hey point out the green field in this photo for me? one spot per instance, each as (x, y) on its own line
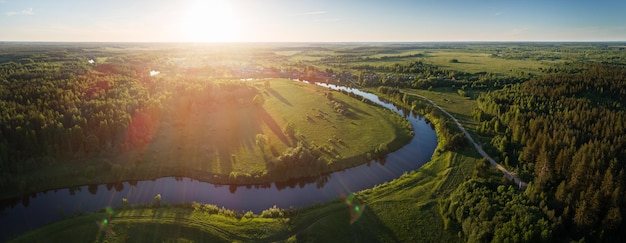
(404, 210)
(470, 60)
(219, 143)
(474, 62)
(224, 141)
(447, 98)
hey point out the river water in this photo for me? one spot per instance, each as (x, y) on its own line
(32, 211)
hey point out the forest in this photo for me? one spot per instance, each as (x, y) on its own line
(55, 112)
(552, 113)
(65, 108)
(566, 133)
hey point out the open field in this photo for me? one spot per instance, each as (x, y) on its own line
(224, 141)
(474, 62)
(467, 61)
(500, 59)
(221, 144)
(448, 98)
(404, 210)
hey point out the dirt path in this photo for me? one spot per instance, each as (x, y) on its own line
(509, 175)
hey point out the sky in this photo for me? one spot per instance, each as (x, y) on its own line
(311, 21)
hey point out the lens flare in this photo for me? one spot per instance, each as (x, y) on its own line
(103, 224)
(356, 208)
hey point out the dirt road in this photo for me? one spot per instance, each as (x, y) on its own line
(509, 175)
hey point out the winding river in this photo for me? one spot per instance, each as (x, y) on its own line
(35, 210)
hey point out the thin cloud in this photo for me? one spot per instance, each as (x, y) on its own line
(309, 13)
(28, 11)
(329, 20)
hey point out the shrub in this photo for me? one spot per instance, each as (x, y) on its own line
(157, 200)
(462, 93)
(248, 215)
(210, 208)
(272, 212)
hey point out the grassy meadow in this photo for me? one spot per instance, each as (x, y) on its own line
(235, 144)
(224, 141)
(403, 210)
(474, 62)
(469, 60)
(447, 98)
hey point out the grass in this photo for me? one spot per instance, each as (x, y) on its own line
(164, 224)
(460, 107)
(403, 210)
(213, 143)
(473, 62)
(447, 98)
(468, 61)
(224, 141)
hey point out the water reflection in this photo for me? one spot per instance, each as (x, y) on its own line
(93, 189)
(34, 210)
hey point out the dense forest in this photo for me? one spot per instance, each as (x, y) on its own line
(68, 109)
(566, 133)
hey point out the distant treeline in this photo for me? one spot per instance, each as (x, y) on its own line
(421, 75)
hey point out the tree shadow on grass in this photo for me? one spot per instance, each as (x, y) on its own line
(279, 96)
(336, 225)
(269, 121)
(356, 110)
(370, 228)
(234, 128)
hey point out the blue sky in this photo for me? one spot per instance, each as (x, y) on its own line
(312, 21)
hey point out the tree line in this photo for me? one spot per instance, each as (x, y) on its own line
(421, 75)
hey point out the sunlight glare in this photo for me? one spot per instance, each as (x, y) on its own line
(211, 21)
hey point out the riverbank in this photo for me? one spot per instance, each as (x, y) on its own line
(239, 146)
(405, 209)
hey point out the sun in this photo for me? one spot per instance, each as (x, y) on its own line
(210, 21)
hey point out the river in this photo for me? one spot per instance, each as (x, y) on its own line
(32, 211)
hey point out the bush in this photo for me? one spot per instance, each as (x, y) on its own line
(210, 208)
(272, 212)
(248, 215)
(157, 200)
(462, 93)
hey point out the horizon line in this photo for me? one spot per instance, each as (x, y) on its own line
(325, 42)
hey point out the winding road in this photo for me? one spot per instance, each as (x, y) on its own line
(509, 175)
